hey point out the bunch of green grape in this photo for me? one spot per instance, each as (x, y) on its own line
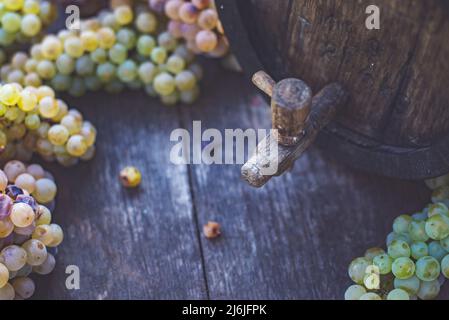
(21, 21)
(117, 49)
(197, 22)
(27, 234)
(416, 262)
(33, 120)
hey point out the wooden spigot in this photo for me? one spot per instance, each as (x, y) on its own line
(297, 118)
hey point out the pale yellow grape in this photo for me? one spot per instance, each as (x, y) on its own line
(106, 38)
(30, 65)
(71, 123)
(185, 80)
(146, 22)
(164, 84)
(48, 108)
(30, 25)
(26, 181)
(89, 40)
(43, 233)
(47, 266)
(22, 215)
(46, 69)
(370, 296)
(13, 5)
(16, 76)
(13, 257)
(7, 292)
(44, 147)
(32, 79)
(73, 46)
(19, 60)
(42, 131)
(89, 133)
(45, 190)
(24, 287)
(28, 100)
(9, 94)
(62, 111)
(6, 227)
(31, 7)
(12, 114)
(36, 252)
(56, 234)
(4, 275)
(58, 134)
(45, 91)
(36, 171)
(77, 115)
(43, 216)
(36, 52)
(123, 15)
(51, 48)
(76, 145)
(13, 169)
(147, 71)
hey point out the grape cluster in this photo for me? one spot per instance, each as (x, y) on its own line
(33, 120)
(117, 49)
(27, 234)
(416, 261)
(197, 22)
(23, 20)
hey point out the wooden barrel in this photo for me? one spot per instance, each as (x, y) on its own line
(396, 122)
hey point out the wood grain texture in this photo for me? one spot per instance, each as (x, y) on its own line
(291, 239)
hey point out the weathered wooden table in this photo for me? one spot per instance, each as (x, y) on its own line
(292, 239)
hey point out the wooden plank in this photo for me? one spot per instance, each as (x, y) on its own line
(295, 237)
(137, 244)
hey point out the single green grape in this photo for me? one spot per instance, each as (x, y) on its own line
(419, 249)
(445, 266)
(147, 72)
(61, 82)
(411, 285)
(46, 69)
(32, 121)
(164, 84)
(65, 64)
(118, 53)
(167, 41)
(429, 290)
(99, 55)
(106, 72)
(438, 208)
(445, 243)
(403, 268)
(11, 22)
(58, 135)
(354, 292)
(159, 55)
(383, 262)
(427, 268)
(401, 224)
(357, 269)
(146, 22)
(398, 294)
(127, 37)
(123, 15)
(370, 296)
(417, 231)
(84, 66)
(175, 64)
(73, 46)
(185, 80)
(30, 25)
(127, 71)
(399, 248)
(436, 250)
(437, 227)
(145, 45)
(371, 253)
